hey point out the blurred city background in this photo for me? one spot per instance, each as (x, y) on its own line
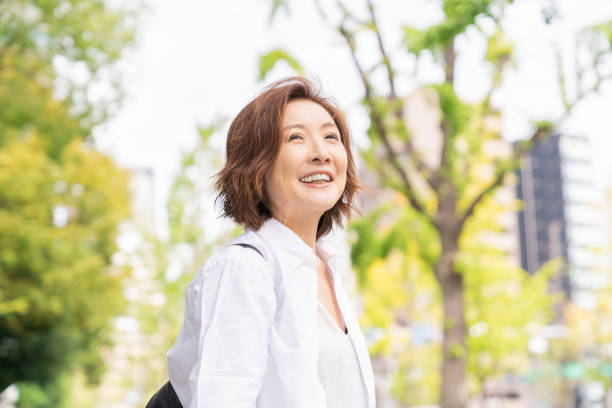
(481, 266)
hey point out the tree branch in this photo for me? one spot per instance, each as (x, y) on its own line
(562, 84)
(502, 170)
(543, 132)
(348, 15)
(449, 58)
(428, 174)
(445, 142)
(383, 52)
(449, 62)
(378, 123)
(580, 71)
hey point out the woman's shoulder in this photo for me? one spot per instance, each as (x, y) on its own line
(245, 252)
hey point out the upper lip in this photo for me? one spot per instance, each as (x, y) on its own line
(312, 173)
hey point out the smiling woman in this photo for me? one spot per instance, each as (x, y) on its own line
(267, 321)
(309, 173)
(261, 131)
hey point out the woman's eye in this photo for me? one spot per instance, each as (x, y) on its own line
(294, 137)
(332, 136)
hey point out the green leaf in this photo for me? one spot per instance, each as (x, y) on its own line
(415, 40)
(206, 132)
(276, 6)
(456, 350)
(460, 14)
(606, 30)
(269, 60)
(499, 48)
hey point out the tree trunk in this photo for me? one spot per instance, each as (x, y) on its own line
(454, 390)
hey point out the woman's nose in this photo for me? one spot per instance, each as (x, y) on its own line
(318, 152)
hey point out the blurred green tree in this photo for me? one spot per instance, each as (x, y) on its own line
(60, 200)
(164, 264)
(57, 66)
(394, 253)
(175, 259)
(446, 191)
(57, 234)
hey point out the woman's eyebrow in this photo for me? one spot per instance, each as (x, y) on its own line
(297, 125)
(329, 124)
(300, 126)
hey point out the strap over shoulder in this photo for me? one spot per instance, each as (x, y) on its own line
(268, 257)
(253, 247)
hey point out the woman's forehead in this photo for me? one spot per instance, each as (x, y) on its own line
(304, 112)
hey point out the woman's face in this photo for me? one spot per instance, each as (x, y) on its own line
(309, 174)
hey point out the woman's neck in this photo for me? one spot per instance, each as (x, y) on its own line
(304, 227)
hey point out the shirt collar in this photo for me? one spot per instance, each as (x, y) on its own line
(326, 250)
(281, 236)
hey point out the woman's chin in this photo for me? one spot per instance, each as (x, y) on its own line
(321, 208)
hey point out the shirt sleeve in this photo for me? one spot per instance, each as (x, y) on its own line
(237, 309)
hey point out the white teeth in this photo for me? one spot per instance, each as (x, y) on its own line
(315, 177)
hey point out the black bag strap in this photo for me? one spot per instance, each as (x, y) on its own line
(242, 244)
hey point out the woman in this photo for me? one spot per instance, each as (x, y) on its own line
(267, 322)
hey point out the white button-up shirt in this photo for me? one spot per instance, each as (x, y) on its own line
(249, 338)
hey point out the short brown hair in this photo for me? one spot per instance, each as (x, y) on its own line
(253, 142)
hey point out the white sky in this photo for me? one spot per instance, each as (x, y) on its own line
(197, 60)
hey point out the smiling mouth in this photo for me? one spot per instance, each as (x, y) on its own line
(316, 179)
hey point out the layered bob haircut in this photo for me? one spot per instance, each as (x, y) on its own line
(253, 143)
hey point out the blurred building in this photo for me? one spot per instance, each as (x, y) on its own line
(563, 216)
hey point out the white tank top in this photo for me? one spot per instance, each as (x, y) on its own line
(338, 367)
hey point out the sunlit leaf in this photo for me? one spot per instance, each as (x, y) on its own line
(269, 60)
